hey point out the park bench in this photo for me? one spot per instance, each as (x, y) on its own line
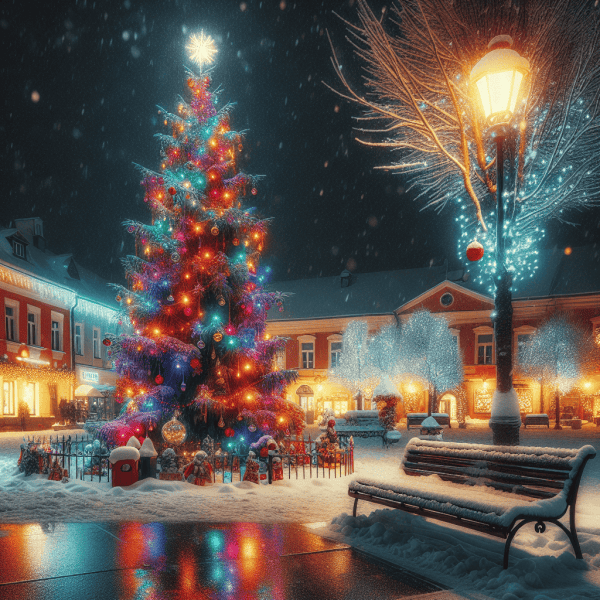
(540, 484)
(541, 419)
(365, 424)
(415, 419)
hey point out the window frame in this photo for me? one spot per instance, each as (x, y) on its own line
(279, 359)
(37, 314)
(518, 331)
(59, 318)
(36, 398)
(484, 330)
(12, 389)
(79, 337)
(335, 338)
(306, 339)
(15, 305)
(96, 348)
(19, 249)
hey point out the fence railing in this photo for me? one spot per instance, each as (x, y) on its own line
(84, 456)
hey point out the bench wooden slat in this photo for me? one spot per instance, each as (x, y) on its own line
(504, 460)
(524, 470)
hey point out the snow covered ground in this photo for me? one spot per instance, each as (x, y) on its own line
(543, 566)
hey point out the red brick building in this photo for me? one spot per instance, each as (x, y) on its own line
(318, 310)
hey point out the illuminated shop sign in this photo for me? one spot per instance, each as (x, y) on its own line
(90, 376)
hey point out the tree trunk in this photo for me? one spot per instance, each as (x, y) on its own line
(432, 400)
(359, 401)
(542, 397)
(557, 403)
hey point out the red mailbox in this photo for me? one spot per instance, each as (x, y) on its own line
(125, 462)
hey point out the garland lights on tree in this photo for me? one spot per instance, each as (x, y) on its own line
(199, 351)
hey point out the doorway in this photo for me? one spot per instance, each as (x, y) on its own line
(447, 404)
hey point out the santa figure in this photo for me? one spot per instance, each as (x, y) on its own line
(277, 469)
(252, 468)
(199, 470)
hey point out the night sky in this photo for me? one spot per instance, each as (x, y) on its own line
(81, 81)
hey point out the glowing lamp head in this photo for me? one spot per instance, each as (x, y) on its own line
(498, 77)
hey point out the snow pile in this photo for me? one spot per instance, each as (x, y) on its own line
(134, 442)
(505, 405)
(147, 450)
(386, 388)
(124, 453)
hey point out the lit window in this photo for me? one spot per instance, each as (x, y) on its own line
(8, 399)
(280, 359)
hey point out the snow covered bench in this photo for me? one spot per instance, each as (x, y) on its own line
(509, 486)
(541, 419)
(365, 424)
(415, 419)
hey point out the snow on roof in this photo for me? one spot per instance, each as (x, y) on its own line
(147, 449)
(124, 453)
(134, 442)
(384, 292)
(430, 423)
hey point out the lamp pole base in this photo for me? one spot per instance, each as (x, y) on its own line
(505, 434)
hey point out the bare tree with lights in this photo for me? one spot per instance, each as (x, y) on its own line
(559, 353)
(429, 353)
(422, 68)
(353, 370)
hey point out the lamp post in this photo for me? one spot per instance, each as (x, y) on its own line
(497, 77)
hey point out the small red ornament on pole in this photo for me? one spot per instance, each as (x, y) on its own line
(474, 251)
(106, 342)
(229, 432)
(159, 379)
(172, 191)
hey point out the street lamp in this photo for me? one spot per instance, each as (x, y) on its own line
(498, 79)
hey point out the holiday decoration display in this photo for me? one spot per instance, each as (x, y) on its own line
(252, 468)
(196, 300)
(174, 432)
(169, 467)
(475, 251)
(386, 396)
(199, 471)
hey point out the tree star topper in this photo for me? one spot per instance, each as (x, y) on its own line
(201, 49)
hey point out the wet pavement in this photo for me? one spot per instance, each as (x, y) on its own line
(151, 561)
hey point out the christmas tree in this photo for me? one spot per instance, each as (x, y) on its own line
(199, 352)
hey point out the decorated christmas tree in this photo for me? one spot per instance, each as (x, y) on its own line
(198, 361)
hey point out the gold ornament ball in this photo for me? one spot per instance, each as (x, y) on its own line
(218, 336)
(174, 431)
(215, 230)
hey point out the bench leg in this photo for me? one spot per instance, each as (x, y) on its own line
(354, 509)
(540, 527)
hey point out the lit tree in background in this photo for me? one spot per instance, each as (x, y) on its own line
(353, 370)
(429, 353)
(420, 95)
(199, 352)
(559, 353)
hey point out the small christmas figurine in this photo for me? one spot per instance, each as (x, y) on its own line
(277, 469)
(252, 467)
(199, 471)
(169, 467)
(330, 434)
(56, 471)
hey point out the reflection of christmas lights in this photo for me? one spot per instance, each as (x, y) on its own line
(33, 361)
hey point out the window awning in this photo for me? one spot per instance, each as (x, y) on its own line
(93, 391)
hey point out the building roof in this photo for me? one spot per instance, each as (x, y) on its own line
(386, 291)
(61, 269)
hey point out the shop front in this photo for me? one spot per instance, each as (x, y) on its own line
(94, 394)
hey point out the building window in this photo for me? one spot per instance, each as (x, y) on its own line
(11, 314)
(78, 339)
(447, 299)
(96, 341)
(9, 397)
(19, 249)
(335, 351)
(55, 335)
(522, 337)
(308, 355)
(33, 325)
(30, 396)
(484, 345)
(280, 359)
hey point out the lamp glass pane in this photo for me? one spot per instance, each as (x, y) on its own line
(515, 90)
(482, 87)
(499, 85)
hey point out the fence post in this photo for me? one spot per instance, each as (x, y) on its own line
(270, 468)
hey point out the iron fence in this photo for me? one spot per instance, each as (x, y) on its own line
(83, 457)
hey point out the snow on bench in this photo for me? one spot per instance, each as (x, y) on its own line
(365, 424)
(415, 419)
(509, 486)
(541, 419)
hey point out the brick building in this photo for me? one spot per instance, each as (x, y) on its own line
(55, 316)
(318, 311)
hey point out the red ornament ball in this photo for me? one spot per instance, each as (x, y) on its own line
(272, 446)
(106, 342)
(236, 242)
(187, 311)
(474, 251)
(172, 191)
(194, 363)
(331, 423)
(264, 452)
(159, 379)
(229, 432)
(254, 191)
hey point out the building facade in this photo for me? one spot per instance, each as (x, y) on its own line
(318, 311)
(56, 314)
